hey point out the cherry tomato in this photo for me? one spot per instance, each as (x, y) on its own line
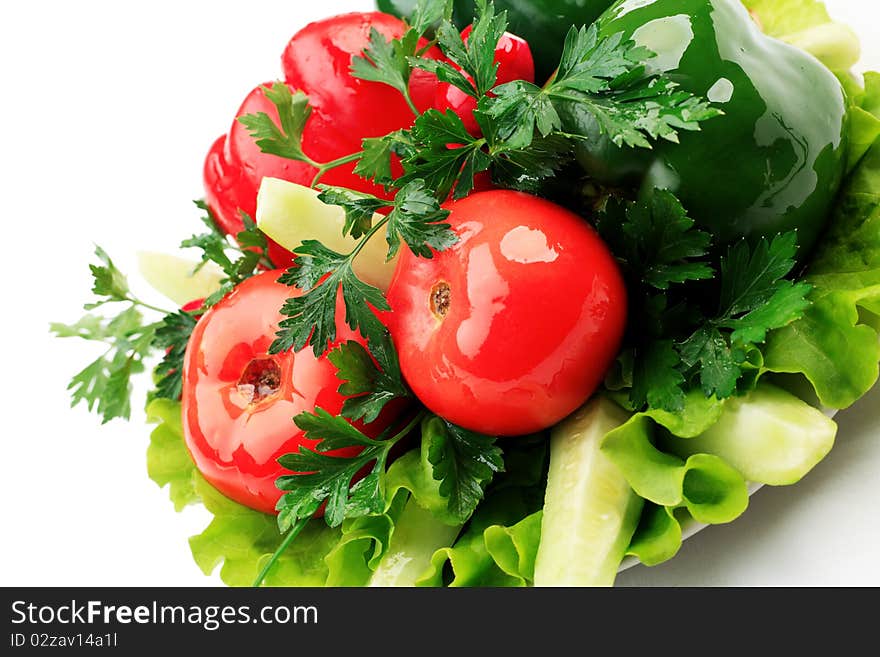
(513, 327)
(345, 110)
(239, 401)
(514, 59)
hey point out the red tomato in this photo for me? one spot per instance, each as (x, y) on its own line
(239, 401)
(514, 59)
(344, 111)
(513, 327)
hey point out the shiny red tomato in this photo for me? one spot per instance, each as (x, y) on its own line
(514, 59)
(513, 327)
(239, 401)
(345, 110)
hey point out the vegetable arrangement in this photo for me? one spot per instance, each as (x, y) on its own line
(501, 294)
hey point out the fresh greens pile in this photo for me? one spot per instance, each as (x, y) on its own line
(461, 508)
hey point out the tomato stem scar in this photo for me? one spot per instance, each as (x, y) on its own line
(260, 379)
(441, 297)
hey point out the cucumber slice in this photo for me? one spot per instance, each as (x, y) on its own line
(417, 535)
(290, 213)
(590, 511)
(176, 278)
(769, 435)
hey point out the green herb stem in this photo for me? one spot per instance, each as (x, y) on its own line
(338, 162)
(412, 105)
(292, 534)
(149, 306)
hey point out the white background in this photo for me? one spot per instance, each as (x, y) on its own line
(107, 111)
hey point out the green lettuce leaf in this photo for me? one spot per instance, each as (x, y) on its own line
(807, 25)
(836, 346)
(238, 539)
(864, 115)
(499, 544)
(658, 536)
(168, 461)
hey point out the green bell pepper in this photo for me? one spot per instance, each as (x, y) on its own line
(772, 163)
(543, 23)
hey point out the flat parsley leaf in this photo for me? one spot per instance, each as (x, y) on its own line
(417, 221)
(239, 260)
(108, 281)
(755, 298)
(368, 384)
(104, 384)
(463, 462)
(293, 112)
(359, 208)
(658, 243)
(311, 317)
(386, 61)
(172, 334)
(444, 155)
(375, 161)
(602, 78)
(318, 476)
(477, 56)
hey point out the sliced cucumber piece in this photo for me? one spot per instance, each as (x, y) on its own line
(590, 511)
(417, 535)
(769, 435)
(176, 278)
(290, 213)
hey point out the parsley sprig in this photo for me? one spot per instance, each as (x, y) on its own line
(691, 328)
(104, 385)
(606, 79)
(285, 140)
(132, 338)
(239, 259)
(321, 273)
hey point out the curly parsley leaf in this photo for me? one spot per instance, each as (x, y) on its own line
(463, 462)
(284, 140)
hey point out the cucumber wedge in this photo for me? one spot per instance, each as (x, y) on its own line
(418, 534)
(176, 278)
(590, 511)
(769, 435)
(290, 213)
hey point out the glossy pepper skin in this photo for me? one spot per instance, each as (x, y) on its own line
(773, 162)
(542, 23)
